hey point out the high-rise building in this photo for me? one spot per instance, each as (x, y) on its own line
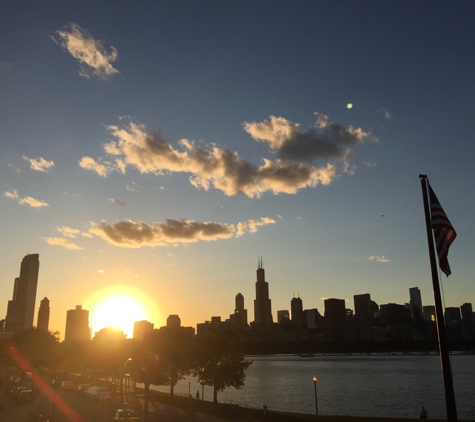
(141, 328)
(77, 325)
(363, 309)
(415, 304)
(468, 320)
(21, 309)
(239, 318)
(335, 312)
(394, 314)
(296, 310)
(262, 304)
(43, 315)
(173, 321)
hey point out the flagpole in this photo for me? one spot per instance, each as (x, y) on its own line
(439, 314)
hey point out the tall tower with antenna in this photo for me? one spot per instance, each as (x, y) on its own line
(262, 304)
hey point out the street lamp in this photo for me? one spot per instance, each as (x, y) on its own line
(316, 402)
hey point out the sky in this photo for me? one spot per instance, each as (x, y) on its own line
(155, 150)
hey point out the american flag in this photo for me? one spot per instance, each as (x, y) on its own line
(444, 233)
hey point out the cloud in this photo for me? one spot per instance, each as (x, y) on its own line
(212, 166)
(58, 241)
(6, 65)
(288, 141)
(381, 258)
(385, 113)
(13, 194)
(368, 164)
(252, 225)
(32, 202)
(39, 164)
(68, 231)
(89, 163)
(117, 201)
(91, 54)
(134, 235)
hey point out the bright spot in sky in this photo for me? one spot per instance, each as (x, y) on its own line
(116, 311)
(349, 105)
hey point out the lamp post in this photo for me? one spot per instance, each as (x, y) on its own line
(202, 386)
(316, 402)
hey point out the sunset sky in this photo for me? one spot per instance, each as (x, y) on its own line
(155, 149)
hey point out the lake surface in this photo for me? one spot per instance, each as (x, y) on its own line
(371, 385)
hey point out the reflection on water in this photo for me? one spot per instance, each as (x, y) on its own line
(393, 386)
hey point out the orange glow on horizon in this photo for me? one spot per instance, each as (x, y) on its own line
(119, 307)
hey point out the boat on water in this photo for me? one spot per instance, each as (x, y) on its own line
(307, 355)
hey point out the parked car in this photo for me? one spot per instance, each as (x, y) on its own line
(67, 385)
(98, 393)
(82, 387)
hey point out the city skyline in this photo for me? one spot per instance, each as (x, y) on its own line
(78, 325)
(150, 163)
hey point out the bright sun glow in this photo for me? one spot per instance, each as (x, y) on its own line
(116, 310)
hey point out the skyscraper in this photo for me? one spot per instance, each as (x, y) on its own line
(415, 304)
(363, 309)
(21, 308)
(262, 304)
(296, 310)
(239, 317)
(77, 325)
(43, 315)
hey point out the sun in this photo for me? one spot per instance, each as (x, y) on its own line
(118, 310)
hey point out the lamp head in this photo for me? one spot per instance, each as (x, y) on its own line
(314, 378)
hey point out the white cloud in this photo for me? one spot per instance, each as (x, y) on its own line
(13, 194)
(89, 163)
(91, 54)
(32, 202)
(39, 164)
(68, 231)
(58, 241)
(252, 225)
(381, 258)
(134, 235)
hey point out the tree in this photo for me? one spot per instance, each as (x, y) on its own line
(172, 346)
(220, 359)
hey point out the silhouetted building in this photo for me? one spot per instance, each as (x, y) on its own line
(262, 304)
(416, 305)
(335, 312)
(141, 328)
(77, 325)
(2, 325)
(173, 321)
(239, 318)
(109, 334)
(468, 320)
(394, 314)
(43, 315)
(283, 317)
(428, 312)
(296, 310)
(21, 309)
(363, 309)
(312, 319)
(215, 322)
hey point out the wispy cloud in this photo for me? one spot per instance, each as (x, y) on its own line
(91, 54)
(39, 164)
(381, 258)
(385, 113)
(117, 201)
(252, 225)
(59, 241)
(212, 166)
(32, 202)
(134, 235)
(68, 231)
(6, 65)
(89, 163)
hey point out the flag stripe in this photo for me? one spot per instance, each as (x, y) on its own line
(444, 233)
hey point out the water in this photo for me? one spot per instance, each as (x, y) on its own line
(374, 385)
